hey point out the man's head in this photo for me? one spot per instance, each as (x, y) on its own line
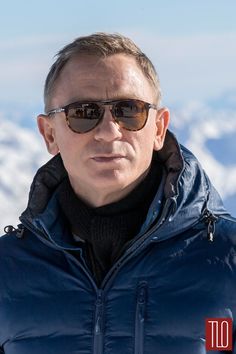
(106, 162)
(100, 45)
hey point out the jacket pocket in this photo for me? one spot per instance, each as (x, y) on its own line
(140, 317)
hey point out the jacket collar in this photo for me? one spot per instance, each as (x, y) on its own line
(186, 188)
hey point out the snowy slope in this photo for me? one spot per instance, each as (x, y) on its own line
(207, 129)
(211, 134)
(21, 152)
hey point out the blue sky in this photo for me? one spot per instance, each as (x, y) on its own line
(20, 18)
(192, 43)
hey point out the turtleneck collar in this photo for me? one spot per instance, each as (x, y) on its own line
(106, 229)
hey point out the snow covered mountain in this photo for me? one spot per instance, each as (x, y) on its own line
(210, 133)
(21, 153)
(209, 130)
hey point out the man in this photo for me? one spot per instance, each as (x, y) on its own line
(125, 246)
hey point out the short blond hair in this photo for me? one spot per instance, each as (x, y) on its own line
(101, 45)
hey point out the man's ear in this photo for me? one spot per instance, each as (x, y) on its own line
(162, 123)
(47, 130)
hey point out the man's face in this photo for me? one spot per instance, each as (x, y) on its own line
(106, 163)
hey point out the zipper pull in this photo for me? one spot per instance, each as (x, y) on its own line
(98, 324)
(19, 231)
(141, 300)
(142, 293)
(210, 220)
(140, 317)
(9, 229)
(98, 314)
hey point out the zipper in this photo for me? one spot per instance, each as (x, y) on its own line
(210, 219)
(99, 302)
(134, 248)
(140, 318)
(98, 324)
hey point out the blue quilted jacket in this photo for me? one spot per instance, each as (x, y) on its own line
(178, 271)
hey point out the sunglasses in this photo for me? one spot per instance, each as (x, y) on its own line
(81, 117)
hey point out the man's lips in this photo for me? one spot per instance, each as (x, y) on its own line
(107, 158)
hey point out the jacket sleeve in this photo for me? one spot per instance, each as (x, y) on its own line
(1, 350)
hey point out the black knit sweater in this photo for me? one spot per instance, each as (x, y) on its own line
(105, 230)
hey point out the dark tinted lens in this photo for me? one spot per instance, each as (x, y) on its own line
(83, 117)
(131, 115)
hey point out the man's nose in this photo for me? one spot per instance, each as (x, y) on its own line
(108, 129)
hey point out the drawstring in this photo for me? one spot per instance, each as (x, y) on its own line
(19, 231)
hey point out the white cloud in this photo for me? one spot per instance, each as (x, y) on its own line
(207, 124)
(190, 67)
(24, 64)
(21, 153)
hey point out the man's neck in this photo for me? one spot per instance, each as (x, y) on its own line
(97, 198)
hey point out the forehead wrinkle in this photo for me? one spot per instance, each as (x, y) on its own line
(100, 79)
